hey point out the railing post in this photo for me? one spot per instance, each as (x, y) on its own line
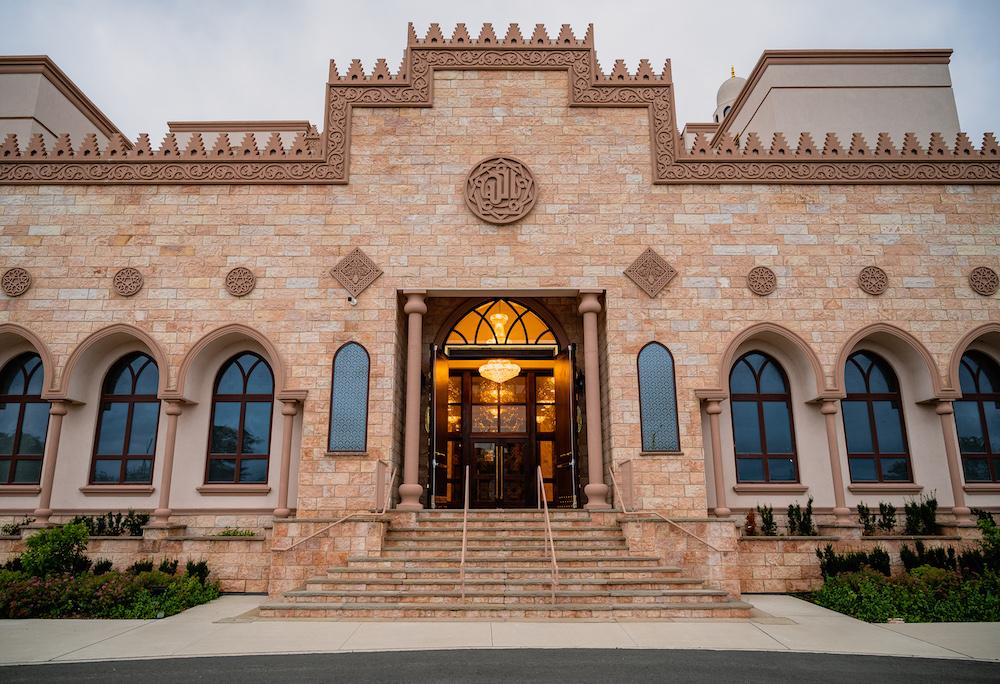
(465, 530)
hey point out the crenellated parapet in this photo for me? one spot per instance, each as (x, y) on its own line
(212, 157)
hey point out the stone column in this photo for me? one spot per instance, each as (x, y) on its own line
(289, 409)
(596, 490)
(162, 513)
(56, 412)
(713, 407)
(410, 489)
(947, 413)
(840, 510)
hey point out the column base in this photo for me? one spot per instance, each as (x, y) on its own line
(282, 512)
(409, 497)
(42, 516)
(597, 497)
(843, 515)
(962, 513)
(722, 512)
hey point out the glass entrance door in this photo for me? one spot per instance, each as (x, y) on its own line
(500, 474)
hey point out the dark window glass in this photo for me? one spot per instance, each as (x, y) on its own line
(125, 439)
(873, 421)
(24, 420)
(977, 417)
(762, 420)
(658, 399)
(240, 438)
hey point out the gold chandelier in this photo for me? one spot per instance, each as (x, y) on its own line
(499, 370)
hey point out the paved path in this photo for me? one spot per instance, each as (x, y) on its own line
(224, 627)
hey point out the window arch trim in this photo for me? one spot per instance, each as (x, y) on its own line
(670, 400)
(333, 398)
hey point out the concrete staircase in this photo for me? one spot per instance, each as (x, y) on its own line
(507, 575)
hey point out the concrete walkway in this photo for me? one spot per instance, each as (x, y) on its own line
(227, 627)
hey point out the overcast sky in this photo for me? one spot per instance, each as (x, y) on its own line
(145, 63)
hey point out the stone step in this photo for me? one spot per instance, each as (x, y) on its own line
(474, 581)
(504, 514)
(494, 611)
(566, 561)
(490, 523)
(501, 572)
(508, 552)
(617, 597)
(532, 532)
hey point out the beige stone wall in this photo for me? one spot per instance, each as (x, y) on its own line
(596, 211)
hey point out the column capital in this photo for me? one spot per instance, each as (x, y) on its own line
(713, 407)
(590, 301)
(174, 407)
(944, 408)
(289, 407)
(828, 406)
(415, 302)
(57, 407)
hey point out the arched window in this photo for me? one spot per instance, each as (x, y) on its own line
(658, 399)
(24, 420)
(240, 440)
(125, 440)
(762, 420)
(349, 399)
(977, 417)
(873, 421)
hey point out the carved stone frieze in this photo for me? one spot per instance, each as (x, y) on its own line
(500, 190)
(315, 159)
(873, 280)
(355, 272)
(240, 281)
(650, 272)
(127, 281)
(762, 281)
(984, 280)
(15, 281)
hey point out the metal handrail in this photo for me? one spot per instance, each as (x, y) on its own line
(465, 533)
(388, 491)
(548, 532)
(621, 500)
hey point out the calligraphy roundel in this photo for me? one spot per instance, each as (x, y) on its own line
(500, 190)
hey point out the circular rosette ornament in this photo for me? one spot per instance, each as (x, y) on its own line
(500, 190)
(128, 281)
(762, 281)
(240, 281)
(15, 282)
(984, 280)
(873, 280)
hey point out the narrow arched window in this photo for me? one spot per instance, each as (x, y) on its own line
(125, 440)
(240, 439)
(977, 417)
(349, 399)
(873, 421)
(24, 420)
(658, 399)
(762, 420)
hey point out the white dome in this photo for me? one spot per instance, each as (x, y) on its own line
(729, 90)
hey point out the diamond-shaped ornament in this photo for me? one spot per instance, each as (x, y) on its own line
(355, 272)
(651, 272)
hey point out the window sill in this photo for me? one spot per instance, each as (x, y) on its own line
(346, 454)
(234, 489)
(117, 489)
(20, 490)
(661, 453)
(888, 487)
(765, 488)
(983, 488)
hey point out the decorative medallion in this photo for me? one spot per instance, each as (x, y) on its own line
(128, 281)
(762, 281)
(240, 281)
(650, 272)
(16, 282)
(500, 190)
(873, 280)
(356, 272)
(983, 280)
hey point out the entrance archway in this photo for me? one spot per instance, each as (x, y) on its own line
(503, 403)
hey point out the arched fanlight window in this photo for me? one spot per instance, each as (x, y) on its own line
(762, 420)
(977, 417)
(501, 321)
(125, 439)
(349, 399)
(24, 420)
(240, 439)
(873, 421)
(658, 399)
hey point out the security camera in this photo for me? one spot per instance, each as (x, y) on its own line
(352, 300)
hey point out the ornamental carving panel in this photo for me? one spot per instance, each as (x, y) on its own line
(128, 281)
(873, 280)
(762, 281)
(984, 280)
(355, 272)
(500, 190)
(240, 281)
(650, 272)
(16, 282)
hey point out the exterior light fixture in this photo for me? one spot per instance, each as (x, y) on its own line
(499, 370)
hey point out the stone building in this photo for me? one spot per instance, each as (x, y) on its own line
(500, 270)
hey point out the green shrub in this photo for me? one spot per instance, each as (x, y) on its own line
(13, 564)
(921, 516)
(169, 567)
(114, 524)
(886, 517)
(866, 519)
(768, 527)
(102, 566)
(936, 557)
(56, 550)
(832, 563)
(140, 566)
(750, 524)
(236, 532)
(13, 529)
(198, 570)
(800, 520)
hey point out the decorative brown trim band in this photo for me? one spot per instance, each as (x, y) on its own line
(885, 488)
(230, 126)
(20, 490)
(770, 488)
(326, 160)
(117, 490)
(984, 488)
(234, 489)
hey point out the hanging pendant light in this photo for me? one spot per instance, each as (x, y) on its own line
(499, 370)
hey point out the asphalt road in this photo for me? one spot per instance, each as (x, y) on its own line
(519, 665)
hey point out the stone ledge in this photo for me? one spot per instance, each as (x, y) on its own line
(20, 490)
(117, 489)
(885, 487)
(234, 489)
(346, 454)
(912, 537)
(984, 488)
(791, 488)
(217, 538)
(780, 538)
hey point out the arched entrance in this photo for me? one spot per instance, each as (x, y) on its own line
(503, 403)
